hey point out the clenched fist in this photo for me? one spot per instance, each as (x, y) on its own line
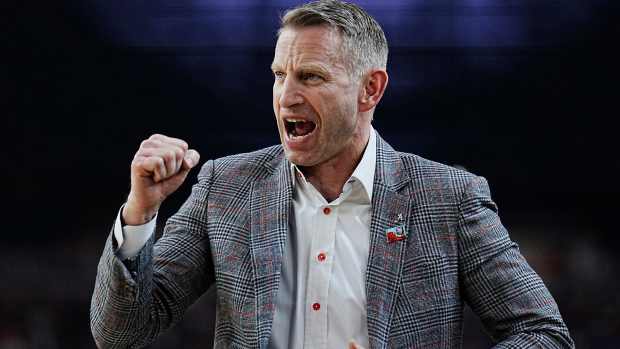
(158, 169)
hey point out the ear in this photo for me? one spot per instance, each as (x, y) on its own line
(373, 87)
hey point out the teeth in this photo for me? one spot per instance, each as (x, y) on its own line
(291, 127)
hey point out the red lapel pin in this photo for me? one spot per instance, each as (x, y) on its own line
(395, 234)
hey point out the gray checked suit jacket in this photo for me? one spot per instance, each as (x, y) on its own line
(232, 230)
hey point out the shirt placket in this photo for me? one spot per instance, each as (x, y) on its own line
(319, 274)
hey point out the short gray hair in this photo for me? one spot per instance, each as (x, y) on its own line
(362, 37)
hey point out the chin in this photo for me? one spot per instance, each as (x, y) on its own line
(299, 159)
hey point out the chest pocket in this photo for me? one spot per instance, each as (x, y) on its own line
(429, 281)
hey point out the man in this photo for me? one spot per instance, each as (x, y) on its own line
(331, 239)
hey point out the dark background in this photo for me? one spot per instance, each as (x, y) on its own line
(522, 92)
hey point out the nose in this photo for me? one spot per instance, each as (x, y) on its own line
(290, 94)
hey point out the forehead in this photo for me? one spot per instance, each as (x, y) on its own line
(297, 45)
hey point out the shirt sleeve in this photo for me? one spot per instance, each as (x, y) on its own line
(131, 238)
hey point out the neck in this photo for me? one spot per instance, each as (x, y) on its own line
(330, 176)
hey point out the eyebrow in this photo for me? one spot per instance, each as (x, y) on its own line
(314, 68)
(310, 67)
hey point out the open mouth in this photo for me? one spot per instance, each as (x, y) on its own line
(297, 128)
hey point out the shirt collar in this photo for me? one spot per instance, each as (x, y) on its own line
(365, 170)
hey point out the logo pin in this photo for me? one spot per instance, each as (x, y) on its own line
(396, 233)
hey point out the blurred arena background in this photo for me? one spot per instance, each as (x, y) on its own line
(524, 93)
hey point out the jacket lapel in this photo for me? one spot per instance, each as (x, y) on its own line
(270, 206)
(391, 208)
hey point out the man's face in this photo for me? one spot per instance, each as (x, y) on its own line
(315, 101)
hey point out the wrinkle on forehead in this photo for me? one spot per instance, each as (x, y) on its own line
(309, 45)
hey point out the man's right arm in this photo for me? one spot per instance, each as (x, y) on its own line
(137, 298)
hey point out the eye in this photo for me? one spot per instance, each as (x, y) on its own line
(311, 77)
(278, 75)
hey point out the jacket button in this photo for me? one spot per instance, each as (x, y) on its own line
(316, 306)
(327, 210)
(321, 257)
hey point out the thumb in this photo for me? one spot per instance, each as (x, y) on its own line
(191, 159)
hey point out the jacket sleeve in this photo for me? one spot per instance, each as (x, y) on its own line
(135, 300)
(514, 305)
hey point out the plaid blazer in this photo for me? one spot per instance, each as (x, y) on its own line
(232, 230)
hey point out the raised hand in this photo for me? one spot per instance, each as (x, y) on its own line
(158, 169)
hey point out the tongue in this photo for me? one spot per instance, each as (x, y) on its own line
(303, 128)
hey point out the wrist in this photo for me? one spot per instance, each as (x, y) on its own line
(136, 215)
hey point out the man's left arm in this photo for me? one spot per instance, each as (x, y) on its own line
(513, 303)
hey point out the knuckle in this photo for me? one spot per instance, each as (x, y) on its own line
(168, 155)
(179, 153)
(149, 143)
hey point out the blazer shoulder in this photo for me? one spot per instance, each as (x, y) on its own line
(257, 164)
(430, 172)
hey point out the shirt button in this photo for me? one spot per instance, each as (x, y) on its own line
(316, 306)
(321, 257)
(327, 210)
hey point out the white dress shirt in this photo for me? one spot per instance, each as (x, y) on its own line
(321, 301)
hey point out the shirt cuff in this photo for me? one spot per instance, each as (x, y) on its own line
(131, 238)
